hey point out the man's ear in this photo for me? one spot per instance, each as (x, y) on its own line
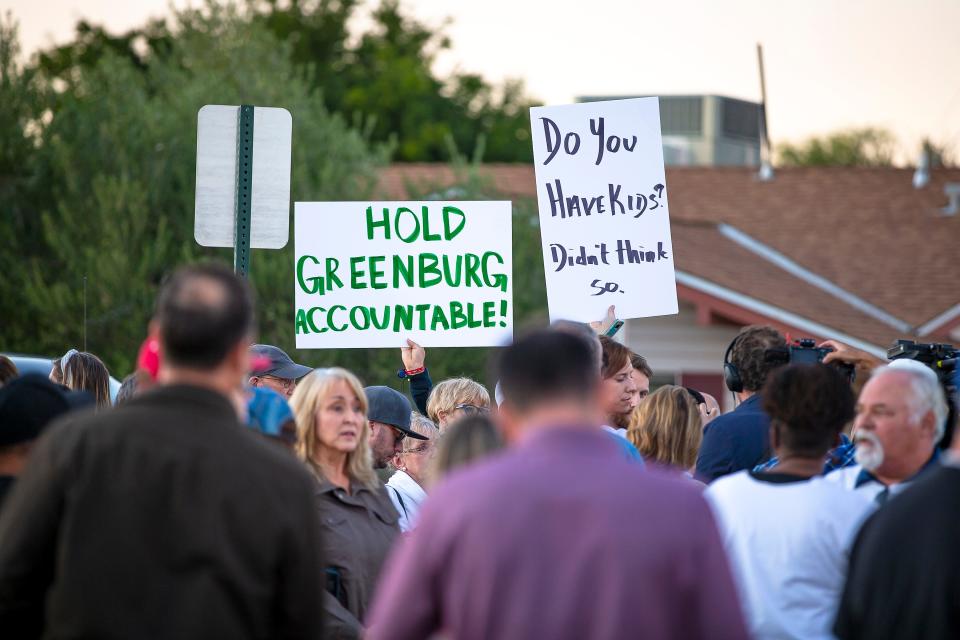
(596, 402)
(929, 423)
(509, 420)
(239, 357)
(254, 381)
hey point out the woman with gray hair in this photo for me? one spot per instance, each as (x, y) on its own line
(406, 486)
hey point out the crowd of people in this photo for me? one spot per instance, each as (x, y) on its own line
(228, 491)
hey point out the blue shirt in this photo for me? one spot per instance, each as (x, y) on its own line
(843, 455)
(735, 441)
(865, 476)
(627, 450)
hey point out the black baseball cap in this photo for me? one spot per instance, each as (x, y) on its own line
(279, 363)
(391, 407)
(30, 402)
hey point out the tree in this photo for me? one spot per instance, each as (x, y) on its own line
(23, 98)
(866, 147)
(105, 187)
(383, 82)
(939, 155)
(97, 167)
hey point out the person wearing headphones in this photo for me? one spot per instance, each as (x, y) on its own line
(741, 439)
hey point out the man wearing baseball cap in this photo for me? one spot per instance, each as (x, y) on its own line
(273, 368)
(389, 416)
(27, 405)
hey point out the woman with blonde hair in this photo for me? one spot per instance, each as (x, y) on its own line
(358, 521)
(666, 428)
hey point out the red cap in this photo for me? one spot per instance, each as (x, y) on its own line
(148, 357)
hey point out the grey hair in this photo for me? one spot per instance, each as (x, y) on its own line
(926, 391)
(422, 425)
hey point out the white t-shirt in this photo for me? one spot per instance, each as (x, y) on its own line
(407, 497)
(788, 544)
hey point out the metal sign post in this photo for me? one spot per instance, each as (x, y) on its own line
(243, 197)
(241, 243)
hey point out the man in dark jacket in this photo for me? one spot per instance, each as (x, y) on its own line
(741, 439)
(165, 518)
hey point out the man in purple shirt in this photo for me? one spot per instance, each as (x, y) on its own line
(560, 537)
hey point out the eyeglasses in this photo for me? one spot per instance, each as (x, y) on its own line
(472, 410)
(400, 435)
(421, 449)
(284, 383)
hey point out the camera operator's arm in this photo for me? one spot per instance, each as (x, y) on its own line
(863, 361)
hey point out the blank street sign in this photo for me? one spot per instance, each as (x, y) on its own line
(214, 224)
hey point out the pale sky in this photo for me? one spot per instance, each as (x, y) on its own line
(829, 64)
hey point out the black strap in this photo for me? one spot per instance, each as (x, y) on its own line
(400, 500)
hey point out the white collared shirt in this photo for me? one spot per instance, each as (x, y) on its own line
(407, 497)
(847, 477)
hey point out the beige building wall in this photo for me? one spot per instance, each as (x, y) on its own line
(677, 345)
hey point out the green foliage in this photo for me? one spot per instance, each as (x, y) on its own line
(97, 176)
(383, 79)
(939, 155)
(105, 189)
(867, 147)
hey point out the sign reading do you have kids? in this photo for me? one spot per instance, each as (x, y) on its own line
(371, 274)
(604, 221)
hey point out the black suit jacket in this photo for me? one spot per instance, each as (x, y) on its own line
(164, 518)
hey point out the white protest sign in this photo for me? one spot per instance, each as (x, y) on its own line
(214, 222)
(371, 274)
(604, 220)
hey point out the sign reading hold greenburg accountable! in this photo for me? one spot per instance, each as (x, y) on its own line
(372, 274)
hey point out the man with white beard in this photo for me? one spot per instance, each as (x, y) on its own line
(901, 414)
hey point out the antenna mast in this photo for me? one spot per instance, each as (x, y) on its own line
(766, 156)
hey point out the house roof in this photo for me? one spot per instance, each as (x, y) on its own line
(858, 250)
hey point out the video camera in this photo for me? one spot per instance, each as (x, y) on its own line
(943, 359)
(806, 351)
